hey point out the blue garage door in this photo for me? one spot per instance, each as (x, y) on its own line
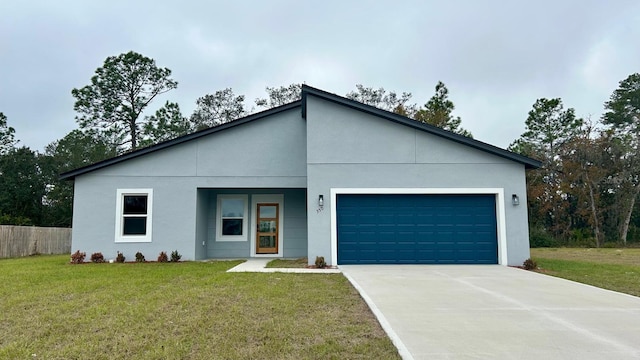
(416, 229)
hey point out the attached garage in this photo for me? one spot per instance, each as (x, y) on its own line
(416, 229)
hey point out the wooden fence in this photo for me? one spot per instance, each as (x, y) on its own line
(16, 241)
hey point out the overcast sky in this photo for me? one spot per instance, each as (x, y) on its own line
(496, 57)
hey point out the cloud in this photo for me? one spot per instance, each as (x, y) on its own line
(496, 58)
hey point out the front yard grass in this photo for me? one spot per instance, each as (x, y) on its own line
(613, 269)
(192, 310)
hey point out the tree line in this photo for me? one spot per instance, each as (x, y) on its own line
(587, 189)
(585, 192)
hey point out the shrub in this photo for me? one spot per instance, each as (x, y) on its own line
(97, 257)
(6, 219)
(78, 257)
(612, 245)
(175, 256)
(120, 258)
(139, 257)
(163, 257)
(581, 238)
(530, 264)
(320, 263)
(539, 237)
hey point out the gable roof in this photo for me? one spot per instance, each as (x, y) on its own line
(529, 163)
(179, 140)
(311, 91)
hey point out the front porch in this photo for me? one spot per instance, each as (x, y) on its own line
(251, 223)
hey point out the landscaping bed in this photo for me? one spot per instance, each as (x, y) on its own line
(301, 263)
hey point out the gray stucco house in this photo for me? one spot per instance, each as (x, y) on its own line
(323, 176)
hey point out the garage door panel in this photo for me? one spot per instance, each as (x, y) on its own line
(425, 229)
(386, 219)
(405, 236)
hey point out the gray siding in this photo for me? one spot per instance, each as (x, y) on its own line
(350, 149)
(174, 216)
(202, 221)
(295, 213)
(295, 224)
(263, 153)
(266, 153)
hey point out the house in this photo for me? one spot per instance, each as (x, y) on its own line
(323, 176)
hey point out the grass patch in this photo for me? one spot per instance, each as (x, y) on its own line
(602, 256)
(191, 310)
(288, 263)
(613, 269)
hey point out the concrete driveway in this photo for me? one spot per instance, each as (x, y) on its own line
(497, 312)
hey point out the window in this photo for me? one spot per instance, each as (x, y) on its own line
(231, 218)
(133, 215)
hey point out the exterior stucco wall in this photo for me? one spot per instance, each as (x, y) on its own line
(202, 221)
(268, 148)
(350, 149)
(94, 216)
(266, 153)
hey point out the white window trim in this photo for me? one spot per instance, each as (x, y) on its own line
(245, 219)
(119, 237)
(500, 211)
(267, 198)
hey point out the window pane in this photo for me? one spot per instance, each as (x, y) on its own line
(134, 226)
(135, 204)
(268, 241)
(232, 208)
(267, 211)
(231, 226)
(267, 226)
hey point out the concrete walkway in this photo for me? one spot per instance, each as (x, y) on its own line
(258, 265)
(497, 312)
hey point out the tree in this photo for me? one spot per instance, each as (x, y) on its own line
(280, 96)
(619, 185)
(21, 187)
(622, 115)
(382, 99)
(75, 150)
(438, 112)
(167, 123)
(623, 108)
(7, 140)
(119, 92)
(587, 167)
(549, 128)
(218, 108)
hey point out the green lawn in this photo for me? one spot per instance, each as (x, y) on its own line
(193, 310)
(613, 269)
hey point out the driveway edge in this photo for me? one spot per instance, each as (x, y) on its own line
(395, 339)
